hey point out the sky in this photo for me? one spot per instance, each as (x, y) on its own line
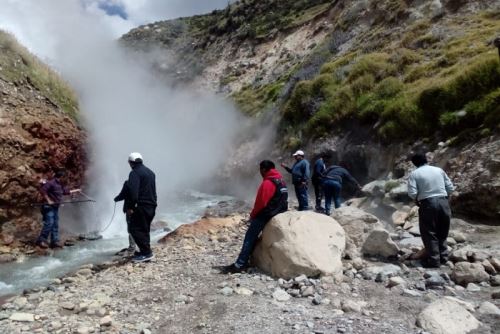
(183, 135)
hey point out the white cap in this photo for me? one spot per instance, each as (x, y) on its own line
(135, 157)
(299, 152)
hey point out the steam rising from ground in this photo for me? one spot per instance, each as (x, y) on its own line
(183, 135)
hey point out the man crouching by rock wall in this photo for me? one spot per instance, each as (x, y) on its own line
(271, 199)
(430, 187)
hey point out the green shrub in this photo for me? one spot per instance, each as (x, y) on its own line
(389, 87)
(376, 64)
(297, 107)
(363, 84)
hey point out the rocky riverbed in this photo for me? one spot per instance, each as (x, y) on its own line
(183, 291)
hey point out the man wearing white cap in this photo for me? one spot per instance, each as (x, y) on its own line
(300, 178)
(142, 207)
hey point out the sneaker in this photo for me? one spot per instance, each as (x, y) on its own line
(143, 258)
(122, 251)
(232, 269)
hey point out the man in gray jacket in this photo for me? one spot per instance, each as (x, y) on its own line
(300, 178)
(430, 187)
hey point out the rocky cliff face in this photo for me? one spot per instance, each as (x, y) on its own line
(38, 131)
(370, 81)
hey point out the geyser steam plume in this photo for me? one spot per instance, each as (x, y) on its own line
(183, 135)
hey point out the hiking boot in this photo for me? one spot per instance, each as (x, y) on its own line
(232, 269)
(142, 258)
(56, 244)
(42, 244)
(426, 263)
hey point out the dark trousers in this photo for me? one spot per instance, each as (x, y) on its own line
(302, 196)
(50, 228)
(434, 217)
(318, 191)
(140, 226)
(256, 226)
(332, 191)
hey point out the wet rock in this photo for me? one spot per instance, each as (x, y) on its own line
(487, 308)
(5, 258)
(399, 193)
(495, 295)
(434, 281)
(379, 243)
(22, 317)
(445, 316)
(465, 273)
(295, 243)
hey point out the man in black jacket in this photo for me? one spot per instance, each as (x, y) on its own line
(143, 201)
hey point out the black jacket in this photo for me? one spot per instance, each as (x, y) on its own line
(142, 186)
(124, 196)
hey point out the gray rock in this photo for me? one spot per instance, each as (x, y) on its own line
(495, 280)
(395, 281)
(281, 295)
(388, 270)
(411, 242)
(375, 188)
(487, 308)
(400, 193)
(106, 321)
(465, 273)
(411, 293)
(488, 267)
(495, 263)
(458, 236)
(471, 287)
(226, 291)
(445, 316)
(307, 291)
(460, 255)
(495, 294)
(68, 306)
(379, 243)
(350, 305)
(22, 317)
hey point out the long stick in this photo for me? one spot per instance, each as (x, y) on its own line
(68, 202)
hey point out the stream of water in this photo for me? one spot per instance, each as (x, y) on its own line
(29, 272)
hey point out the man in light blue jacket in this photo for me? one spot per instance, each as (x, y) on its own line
(430, 187)
(300, 178)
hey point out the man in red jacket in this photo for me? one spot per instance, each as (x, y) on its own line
(271, 199)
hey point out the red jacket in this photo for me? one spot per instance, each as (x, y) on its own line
(266, 192)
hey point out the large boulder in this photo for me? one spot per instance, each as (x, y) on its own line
(297, 243)
(357, 224)
(466, 272)
(445, 316)
(379, 243)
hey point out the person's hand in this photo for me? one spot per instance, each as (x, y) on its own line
(283, 165)
(75, 191)
(303, 184)
(130, 212)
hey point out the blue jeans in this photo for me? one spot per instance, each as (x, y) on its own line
(332, 190)
(50, 228)
(256, 226)
(302, 196)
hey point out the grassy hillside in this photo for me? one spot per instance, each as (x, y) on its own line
(19, 66)
(414, 85)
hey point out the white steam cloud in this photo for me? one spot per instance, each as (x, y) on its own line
(183, 136)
